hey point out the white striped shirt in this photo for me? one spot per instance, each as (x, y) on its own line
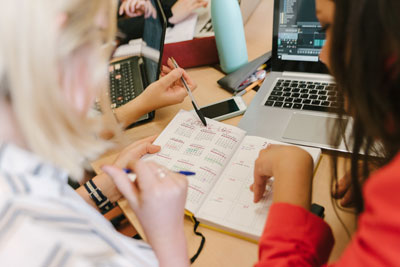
(44, 222)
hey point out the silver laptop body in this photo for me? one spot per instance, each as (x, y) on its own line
(297, 42)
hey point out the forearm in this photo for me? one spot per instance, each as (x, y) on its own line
(107, 187)
(171, 249)
(132, 111)
(293, 185)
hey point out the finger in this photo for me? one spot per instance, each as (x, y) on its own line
(347, 200)
(260, 182)
(124, 185)
(170, 78)
(146, 174)
(342, 186)
(121, 9)
(191, 83)
(144, 150)
(154, 12)
(166, 69)
(196, 6)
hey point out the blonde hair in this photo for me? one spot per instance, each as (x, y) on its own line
(39, 40)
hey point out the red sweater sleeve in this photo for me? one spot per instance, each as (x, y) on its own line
(377, 240)
(294, 236)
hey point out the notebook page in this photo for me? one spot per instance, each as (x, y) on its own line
(186, 145)
(229, 205)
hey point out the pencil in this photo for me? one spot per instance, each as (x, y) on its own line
(248, 88)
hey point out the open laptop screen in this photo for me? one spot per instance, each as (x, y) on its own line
(297, 38)
(153, 38)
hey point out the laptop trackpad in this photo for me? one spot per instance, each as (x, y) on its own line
(310, 128)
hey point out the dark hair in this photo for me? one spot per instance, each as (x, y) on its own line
(365, 63)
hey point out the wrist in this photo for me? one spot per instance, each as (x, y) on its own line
(171, 251)
(107, 186)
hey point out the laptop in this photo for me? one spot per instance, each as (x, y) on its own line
(293, 105)
(204, 25)
(129, 77)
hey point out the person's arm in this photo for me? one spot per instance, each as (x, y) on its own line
(168, 90)
(158, 199)
(293, 236)
(177, 11)
(126, 159)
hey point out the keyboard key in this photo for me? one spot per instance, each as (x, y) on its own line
(314, 92)
(306, 101)
(278, 88)
(287, 105)
(287, 94)
(322, 92)
(319, 87)
(315, 108)
(304, 96)
(325, 103)
(288, 100)
(295, 95)
(276, 93)
(278, 104)
(322, 97)
(313, 97)
(273, 98)
(297, 100)
(269, 103)
(281, 98)
(287, 89)
(310, 86)
(297, 106)
(316, 102)
(295, 90)
(302, 86)
(304, 91)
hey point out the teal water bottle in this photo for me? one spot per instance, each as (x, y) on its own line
(229, 34)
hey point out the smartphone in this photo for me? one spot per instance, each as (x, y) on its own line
(225, 109)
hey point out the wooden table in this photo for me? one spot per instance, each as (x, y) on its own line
(221, 249)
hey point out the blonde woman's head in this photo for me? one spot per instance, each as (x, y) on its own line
(53, 63)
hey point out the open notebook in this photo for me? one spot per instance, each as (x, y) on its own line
(223, 157)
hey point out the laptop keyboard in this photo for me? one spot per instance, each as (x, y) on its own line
(122, 86)
(304, 95)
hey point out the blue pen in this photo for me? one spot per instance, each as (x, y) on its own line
(132, 176)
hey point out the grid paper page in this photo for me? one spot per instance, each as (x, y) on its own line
(230, 204)
(186, 145)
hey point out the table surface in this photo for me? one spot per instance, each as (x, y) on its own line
(221, 249)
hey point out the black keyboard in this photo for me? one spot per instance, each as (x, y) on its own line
(304, 95)
(122, 84)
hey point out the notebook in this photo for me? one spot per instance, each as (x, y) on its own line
(223, 157)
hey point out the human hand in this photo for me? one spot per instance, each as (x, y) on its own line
(158, 199)
(292, 168)
(131, 154)
(169, 89)
(183, 8)
(135, 8)
(126, 159)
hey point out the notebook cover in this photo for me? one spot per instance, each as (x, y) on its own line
(192, 53)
